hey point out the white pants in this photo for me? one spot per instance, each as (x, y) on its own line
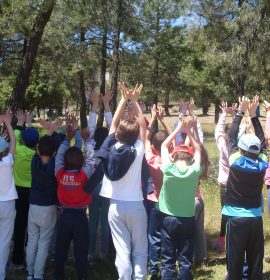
(41, 223)
(128, 223)
(7, 218)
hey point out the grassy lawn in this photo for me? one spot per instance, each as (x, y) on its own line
(215, 268)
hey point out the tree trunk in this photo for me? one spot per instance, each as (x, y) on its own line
(115, 66)
(217, 110)
(29, 56)
(83, 114)
(103, 69)
(167, 102)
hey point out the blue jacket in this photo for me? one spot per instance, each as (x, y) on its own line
(43, 191)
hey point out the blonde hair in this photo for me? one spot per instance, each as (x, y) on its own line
(128, 132)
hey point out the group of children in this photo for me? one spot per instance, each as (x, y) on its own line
(136, 185)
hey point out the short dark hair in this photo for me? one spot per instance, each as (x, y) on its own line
(100, 135)
(47, 146)
(158, 138)
(73, 159)
(250, 155)
(128, 132)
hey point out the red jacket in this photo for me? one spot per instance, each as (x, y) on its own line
(70, 188)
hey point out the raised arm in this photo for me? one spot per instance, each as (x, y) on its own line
(120, 109)
(12, 137)
(106, 99)
(168, 141)
(138, 111)
(89, 145)
(234, 129)
(195, 142)
(267, 124)
(94, 98)
(150, 129)
(59, 159)
(255, 121)
(160, 116)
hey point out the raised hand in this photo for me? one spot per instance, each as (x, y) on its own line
(7, 118)
(266, 105)
(29, 118)
(107, 97)
(232, 109)
(21, 117)
(44, 123)
(94, 98)
(190, 106)
(244, 103)
(160, 113)
(54, 126)
(224, 107)
(70, 132)
(123, 90)
(74, 121)
(85, 134)
(253, 106)
(154, 112)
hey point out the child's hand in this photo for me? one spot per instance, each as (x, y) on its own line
(85, 134)
(190, 106)
(53, 126)
(94, 98)
(224, 107)
(136, 93)
(21, 116)
(244, 103)
(160, 113)
(253, 106)
(29, 118)
(107, 97)
(266, 106)
(44, 124)
(154, 112)
(70, 133)
(232, 109)
(7, 118)
(74, 121)
(123, 90)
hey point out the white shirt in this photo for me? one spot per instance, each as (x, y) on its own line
(7, 185)
(129, 187)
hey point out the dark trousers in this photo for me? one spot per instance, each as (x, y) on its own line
(20, 226)
(72, 225)
(245, 238)
(154, 238)
(224, 218)
(177, 244)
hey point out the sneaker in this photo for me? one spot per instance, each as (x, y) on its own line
(30, 277)
(14, 266)
(218, 246)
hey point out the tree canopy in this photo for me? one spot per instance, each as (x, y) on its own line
(52, 53)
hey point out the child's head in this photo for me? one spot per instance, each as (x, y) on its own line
(100, 135)
(30, 137)
(4, 147)
(157, 139)
(128, 132)
(183, 153)
(46, 148)
(73, 159)
(250, 146)
(205, 162)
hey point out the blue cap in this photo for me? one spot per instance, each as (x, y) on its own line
(30, 137)
(3, 144)
(250, 143)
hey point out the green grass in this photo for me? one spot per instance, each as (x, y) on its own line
(215, 268)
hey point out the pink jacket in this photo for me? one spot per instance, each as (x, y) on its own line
(267, 132)
(224, 168)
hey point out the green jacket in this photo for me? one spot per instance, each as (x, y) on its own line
(23, 160)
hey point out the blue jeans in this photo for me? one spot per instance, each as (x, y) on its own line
(98, 213)
(177, 244)
(154, 239)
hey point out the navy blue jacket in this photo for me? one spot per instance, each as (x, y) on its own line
(43, 191)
